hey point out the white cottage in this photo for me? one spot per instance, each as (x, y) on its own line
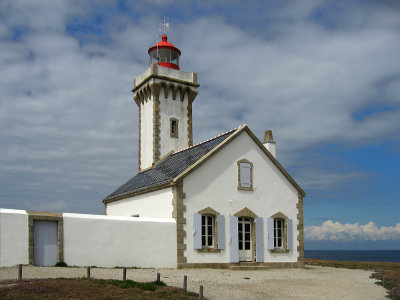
(232, 201)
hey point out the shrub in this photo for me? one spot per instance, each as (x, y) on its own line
(61, 264)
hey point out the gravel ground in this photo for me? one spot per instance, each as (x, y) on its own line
(313, 282)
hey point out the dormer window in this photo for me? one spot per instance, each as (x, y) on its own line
(245, 175)
(174, 127)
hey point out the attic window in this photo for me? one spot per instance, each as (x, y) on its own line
(174, 127)
(245, 175)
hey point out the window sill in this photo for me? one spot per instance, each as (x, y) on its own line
(245, 188)
(209, 250)
(279, 251)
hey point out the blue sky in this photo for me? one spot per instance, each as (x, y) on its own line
(323, 75)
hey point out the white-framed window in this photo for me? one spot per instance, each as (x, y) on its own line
(174, 127)
(278, 232)
(207, 231)
(245, 175)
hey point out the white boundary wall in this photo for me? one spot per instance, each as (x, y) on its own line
(110, 241)
(96, 240)
(13, 237)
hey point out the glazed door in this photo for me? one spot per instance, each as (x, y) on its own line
(244, 234)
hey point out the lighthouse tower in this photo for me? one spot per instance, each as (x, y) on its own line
(164, 95)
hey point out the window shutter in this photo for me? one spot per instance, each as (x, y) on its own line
(221, 231)
(289, 234)
(196, 231)
(259, 240)
(245, 175)
(234, 242)
(270, 234)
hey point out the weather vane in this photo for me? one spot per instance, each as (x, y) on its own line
(164, 27)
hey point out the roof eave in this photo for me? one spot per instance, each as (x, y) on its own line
(209, 154)
(129, 194)
(226, 142)
(276, 163)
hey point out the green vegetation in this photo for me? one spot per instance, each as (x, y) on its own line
(146, 286)
(67, 288)
(61, 264)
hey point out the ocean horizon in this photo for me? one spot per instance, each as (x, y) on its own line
(355, 255)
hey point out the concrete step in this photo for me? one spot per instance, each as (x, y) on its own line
(249, 268)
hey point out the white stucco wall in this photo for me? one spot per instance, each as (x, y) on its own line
(214, 184)
(13, 237)
(146, 134)
(157, 204)
(110, 241)
(170, 108)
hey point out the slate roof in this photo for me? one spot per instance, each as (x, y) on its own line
(165, 171)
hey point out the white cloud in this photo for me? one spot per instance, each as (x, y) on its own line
(335, 231)
(68, 123)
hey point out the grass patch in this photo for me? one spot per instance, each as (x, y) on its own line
(66, 288)
(145, 286)
(389, 270)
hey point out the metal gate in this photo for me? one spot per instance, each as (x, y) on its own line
(45, 243)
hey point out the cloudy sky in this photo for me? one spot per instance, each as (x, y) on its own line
(323, 75)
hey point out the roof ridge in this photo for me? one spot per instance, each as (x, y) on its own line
(203, 142)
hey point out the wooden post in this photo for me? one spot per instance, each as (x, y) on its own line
(124, 274)
(158, 277)
(185, 283)
(20, 272)
(394, 294)
(88, 272)
(201, 293)
(384, 281)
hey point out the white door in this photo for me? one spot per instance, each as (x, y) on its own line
(244, 233)
(45, 244)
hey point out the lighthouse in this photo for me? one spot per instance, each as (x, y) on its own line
(164, 95)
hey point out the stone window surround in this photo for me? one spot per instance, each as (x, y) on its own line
(176, 133)
(283, 249)
(208, 211)
(46, 216)
(239, 187)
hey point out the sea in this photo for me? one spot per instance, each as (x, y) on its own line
(355, 255)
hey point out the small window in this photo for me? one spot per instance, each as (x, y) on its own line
(278, 233)
(207, 231)
(173, 127)
(245, 175)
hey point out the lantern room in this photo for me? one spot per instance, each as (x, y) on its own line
(165, 54)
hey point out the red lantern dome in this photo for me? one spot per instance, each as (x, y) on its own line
(165, 54)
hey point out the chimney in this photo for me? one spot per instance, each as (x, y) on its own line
(269, 142)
